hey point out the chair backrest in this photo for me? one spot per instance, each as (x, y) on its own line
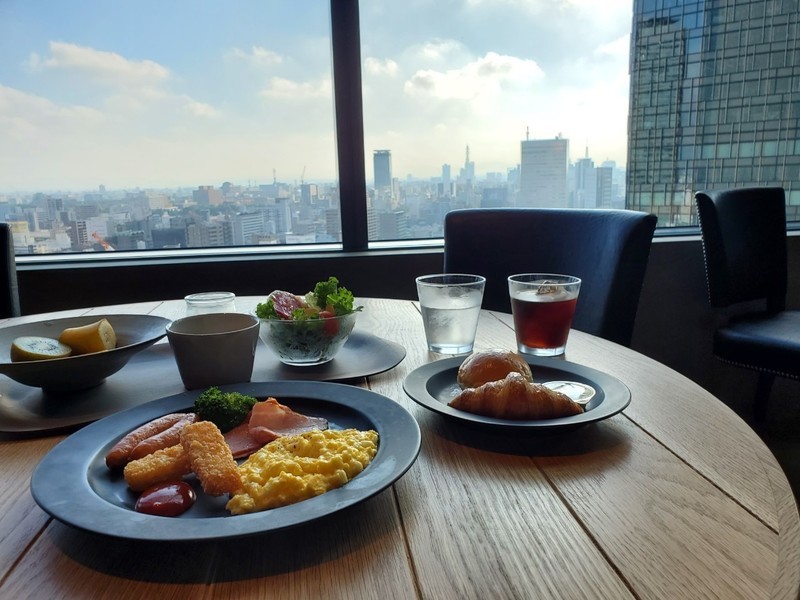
(607, 249)
(744, 245)
(9, 291)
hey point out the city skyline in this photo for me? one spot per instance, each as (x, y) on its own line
(91, 97)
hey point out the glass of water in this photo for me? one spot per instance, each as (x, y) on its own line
(210, 302)
(451, 305)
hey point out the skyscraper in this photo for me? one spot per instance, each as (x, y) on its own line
(543, 178)
(714, 102)
(382, 164)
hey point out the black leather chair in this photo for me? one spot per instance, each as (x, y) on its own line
(744, 245)
(607, 249)
(9, 298)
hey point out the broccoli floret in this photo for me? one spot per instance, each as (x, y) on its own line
(324, 289)
(225, 409)
(266, 310)
(330, 294)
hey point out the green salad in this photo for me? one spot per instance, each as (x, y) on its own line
(311, 328)
(328, 299)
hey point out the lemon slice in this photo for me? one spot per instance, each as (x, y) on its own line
(33, 347)
(94, 337)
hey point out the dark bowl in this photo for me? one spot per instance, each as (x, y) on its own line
(134, 334)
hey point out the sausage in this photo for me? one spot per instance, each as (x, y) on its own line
(119, 455)
(164, 439)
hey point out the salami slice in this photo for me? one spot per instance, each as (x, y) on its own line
(285, 303)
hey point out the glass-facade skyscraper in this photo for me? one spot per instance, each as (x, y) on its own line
(714, 102)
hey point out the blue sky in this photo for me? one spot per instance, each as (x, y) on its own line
(163, 94)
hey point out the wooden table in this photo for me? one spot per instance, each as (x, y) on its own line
(674, 498)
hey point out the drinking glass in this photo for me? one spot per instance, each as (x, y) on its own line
(543, 305)
(210, 302)
(451, 305)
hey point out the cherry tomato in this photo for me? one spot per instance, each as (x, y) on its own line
(331, 326)
(166, 499)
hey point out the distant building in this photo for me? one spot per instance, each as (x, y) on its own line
(382, 165)
(714, 103)
(543, 173)
(207, 195)
(605, 187)
(585, 191)
(494, 197)
(392, 225)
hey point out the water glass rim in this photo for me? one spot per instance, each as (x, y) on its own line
(210, 297)
(468, 279)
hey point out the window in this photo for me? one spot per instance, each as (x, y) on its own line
(256, 123)
(203, 127)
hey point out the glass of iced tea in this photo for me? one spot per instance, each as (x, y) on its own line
(543, 305)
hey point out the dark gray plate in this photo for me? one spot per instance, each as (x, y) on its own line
(134, 334)
(73, 484)
(434, 385)
(362, 355)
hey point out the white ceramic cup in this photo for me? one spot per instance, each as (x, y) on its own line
(214, 349)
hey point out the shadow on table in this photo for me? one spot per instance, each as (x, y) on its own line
(592, 437)
(354, 530)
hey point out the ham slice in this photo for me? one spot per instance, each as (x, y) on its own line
(268, 421)
(271, 419)
(240, 441)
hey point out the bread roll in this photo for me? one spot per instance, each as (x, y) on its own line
(515, 398)
(491, 365)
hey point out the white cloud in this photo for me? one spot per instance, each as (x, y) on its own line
(485, 78)
(258, 56)
(100, 66)
(376, 66)
(438, 50)
(279, 87)
(199, 109)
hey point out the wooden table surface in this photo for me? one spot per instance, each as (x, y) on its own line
(676, 497)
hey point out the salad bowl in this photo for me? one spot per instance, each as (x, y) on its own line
(307, 342)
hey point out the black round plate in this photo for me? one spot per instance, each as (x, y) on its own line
(72, 483)
(362, 355)
(434, 385)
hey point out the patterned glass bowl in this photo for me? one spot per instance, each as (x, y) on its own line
(306, 343)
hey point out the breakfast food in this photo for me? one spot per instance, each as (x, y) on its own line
(32, 347)
(297, 467)
(292, 457)
(120, 453)
(210, 458)
(491, 365)
(163, 439)
(515, 398)
(169, 499)
(268, 421)
(168, 464)
(86, 339)
(328, 299)
(225, 409)
(308, 329)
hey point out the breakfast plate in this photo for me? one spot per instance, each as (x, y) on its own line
(73, 484)
(362, 355)
(434, 385)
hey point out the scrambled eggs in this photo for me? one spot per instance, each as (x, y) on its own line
(297, 467)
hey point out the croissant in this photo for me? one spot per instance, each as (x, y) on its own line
(515, 398)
